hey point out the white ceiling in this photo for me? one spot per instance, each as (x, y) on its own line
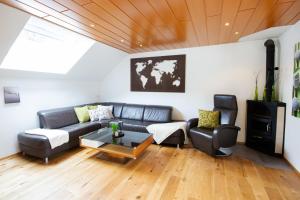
(274, 32)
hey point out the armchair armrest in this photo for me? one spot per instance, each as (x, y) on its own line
(191, 124)
(226, 126)
(225, 136)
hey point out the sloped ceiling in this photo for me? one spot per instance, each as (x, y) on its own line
(150, 25)
(93, 66)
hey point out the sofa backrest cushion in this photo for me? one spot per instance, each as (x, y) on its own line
(133, 111)
(57, 118)
(161, 114)
(117, 108)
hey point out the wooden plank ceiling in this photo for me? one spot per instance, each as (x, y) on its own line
(149, 25)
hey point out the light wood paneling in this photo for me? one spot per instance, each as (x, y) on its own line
(213, 29)
(25, 8)
(149, 25)
(289, 14)
(159, 173)
(249, 4)
(278, 11)
(229, 12)
(213, 7)
(52, 4)
(197, 10)
(179, 9)
(240, 23)
(294, 20)
(263, 10)
(83, 2)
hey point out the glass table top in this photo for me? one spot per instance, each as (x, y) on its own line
(104, 136)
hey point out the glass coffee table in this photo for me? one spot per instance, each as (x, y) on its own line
(131, 145)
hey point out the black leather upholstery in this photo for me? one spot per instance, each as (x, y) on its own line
(202, 139)
(57, 118)
(224, 136)
(131, 111)
(157, 114)
(80, 129)
(177, 138)
(135, 125)
(135, 118)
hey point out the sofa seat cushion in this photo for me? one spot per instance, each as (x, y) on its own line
(135, 125)
(80, 129)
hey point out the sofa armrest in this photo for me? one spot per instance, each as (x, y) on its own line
(191, 124)
(225, 136)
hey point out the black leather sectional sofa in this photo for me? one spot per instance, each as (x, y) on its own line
(135, 117)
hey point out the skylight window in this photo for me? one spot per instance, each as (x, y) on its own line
(45, 47)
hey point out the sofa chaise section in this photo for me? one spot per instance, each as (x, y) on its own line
(62, 118)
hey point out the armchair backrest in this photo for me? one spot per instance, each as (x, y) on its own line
(227, 105)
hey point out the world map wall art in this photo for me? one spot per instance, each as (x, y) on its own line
(158, 74)
(296, 82)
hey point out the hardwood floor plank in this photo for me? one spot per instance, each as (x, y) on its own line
(170, 188)
(159, 173)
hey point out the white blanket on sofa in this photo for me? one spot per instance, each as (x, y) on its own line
(162, 131)
(56, 137)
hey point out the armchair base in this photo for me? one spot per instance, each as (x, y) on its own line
(223, 152)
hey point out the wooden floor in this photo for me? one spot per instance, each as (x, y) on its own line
(160, 173)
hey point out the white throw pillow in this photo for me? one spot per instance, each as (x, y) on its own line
(94, 115)
(105, 112)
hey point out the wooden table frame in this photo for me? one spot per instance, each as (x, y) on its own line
(122, 151)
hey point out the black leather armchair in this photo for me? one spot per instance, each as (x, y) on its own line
(213, 141)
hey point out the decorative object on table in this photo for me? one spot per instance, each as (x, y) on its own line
(116, 127)
(11, 95)
(118, 134)
(296, 82)
(256, 88)
(158, 74)
(270, 69)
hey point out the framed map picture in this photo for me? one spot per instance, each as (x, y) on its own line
(296, 82)
(158, 74)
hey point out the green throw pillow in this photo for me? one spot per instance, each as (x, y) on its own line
(208, 119)
(82, 114)
(92, 107)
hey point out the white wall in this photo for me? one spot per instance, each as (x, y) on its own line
(228, 69)
(292, 134)
(37, 95)
(43, 90)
